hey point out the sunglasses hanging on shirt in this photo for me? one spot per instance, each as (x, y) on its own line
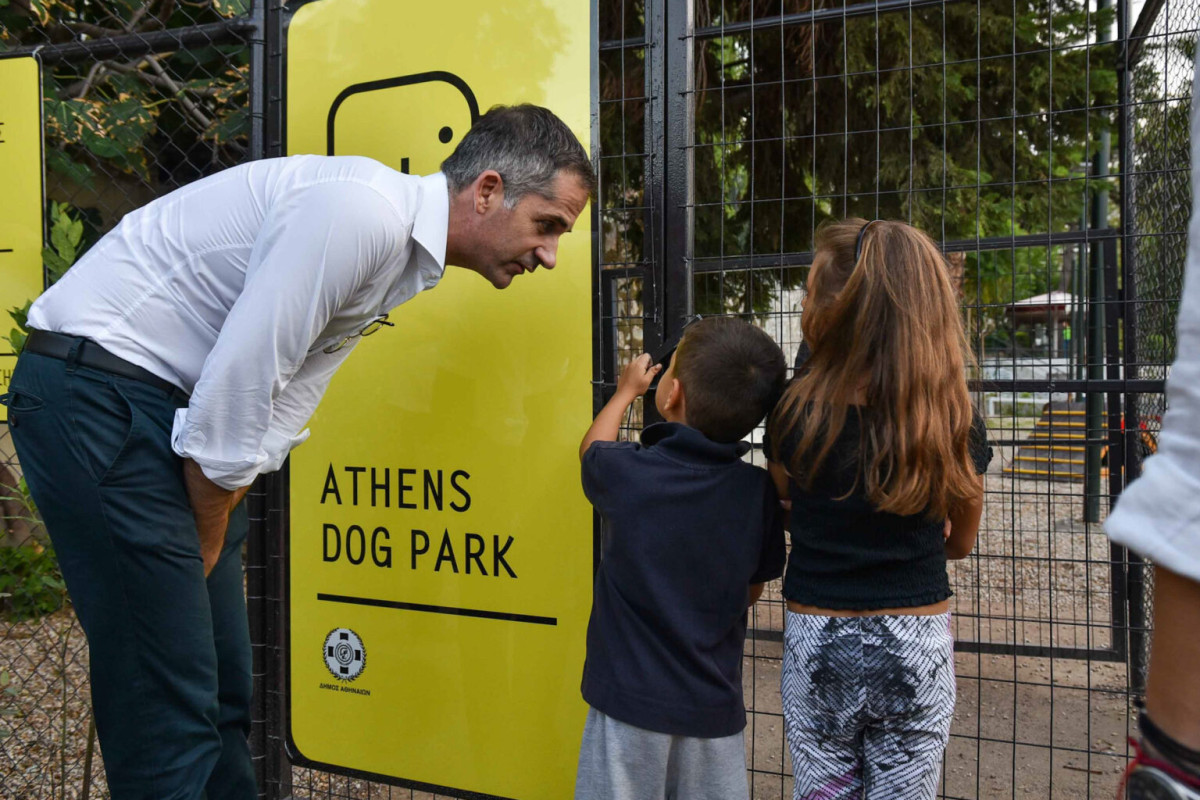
(374, 326)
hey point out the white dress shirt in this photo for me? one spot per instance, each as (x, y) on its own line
(232, 287)
(1158, 515)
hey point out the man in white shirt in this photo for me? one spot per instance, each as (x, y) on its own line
(182, 356)
(1158, 516)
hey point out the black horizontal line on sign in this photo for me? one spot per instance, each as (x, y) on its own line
(5, 249)
(458, 612)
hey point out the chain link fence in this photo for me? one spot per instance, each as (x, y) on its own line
(1160, 54)
(1159, 186)
(138, 98)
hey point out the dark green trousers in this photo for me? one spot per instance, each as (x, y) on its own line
(169, 649)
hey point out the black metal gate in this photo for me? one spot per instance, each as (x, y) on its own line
(1045, 147)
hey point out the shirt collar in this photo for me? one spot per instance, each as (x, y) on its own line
(685, 443)
(433, 217)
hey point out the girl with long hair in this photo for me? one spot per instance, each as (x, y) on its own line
(877, 446)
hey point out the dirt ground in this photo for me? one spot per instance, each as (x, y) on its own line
(1024, 727)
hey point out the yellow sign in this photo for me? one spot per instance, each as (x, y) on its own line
(441, 547)
(21, 197)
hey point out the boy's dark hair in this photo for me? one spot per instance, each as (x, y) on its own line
(732, 375)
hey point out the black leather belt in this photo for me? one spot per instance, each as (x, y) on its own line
(93, 356)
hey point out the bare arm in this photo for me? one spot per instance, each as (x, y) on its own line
(1172, 691)
(783, 485)
(756, 590)
(964, 526)
(211, 506)
(633, 383)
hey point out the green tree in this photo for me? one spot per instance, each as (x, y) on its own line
(123, 130)
(971, 120)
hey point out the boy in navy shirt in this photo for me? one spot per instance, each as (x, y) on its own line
(690, 534)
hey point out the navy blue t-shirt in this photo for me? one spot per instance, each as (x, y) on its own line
(687, 527)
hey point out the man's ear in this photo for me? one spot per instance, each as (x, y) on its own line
(489, 191)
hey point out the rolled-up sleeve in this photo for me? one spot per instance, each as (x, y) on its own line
(297, 402)
(260, 383)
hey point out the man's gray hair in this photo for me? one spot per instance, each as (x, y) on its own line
(528, 145)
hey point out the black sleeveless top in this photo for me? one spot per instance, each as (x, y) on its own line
(848, 555)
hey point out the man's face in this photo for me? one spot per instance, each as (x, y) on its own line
(517, 240)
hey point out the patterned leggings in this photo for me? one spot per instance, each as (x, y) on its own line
(867, 703)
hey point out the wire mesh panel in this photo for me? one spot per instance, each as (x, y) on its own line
(994, 125)
(630, 110)
(139, 98)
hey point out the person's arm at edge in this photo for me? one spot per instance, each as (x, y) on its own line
(756, 590)
(964, 525)
(783, 485)
(633, 383)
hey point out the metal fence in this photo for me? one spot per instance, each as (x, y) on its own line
(1044, 144)
(138, 99)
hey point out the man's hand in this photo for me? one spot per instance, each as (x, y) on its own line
(211, 506)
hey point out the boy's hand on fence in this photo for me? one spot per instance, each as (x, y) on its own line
(632, 384)
(946, 531)
(637, 377)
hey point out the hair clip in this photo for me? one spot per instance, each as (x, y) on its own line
(858, 242)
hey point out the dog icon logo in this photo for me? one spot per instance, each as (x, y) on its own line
(412, 123)
(345, 655)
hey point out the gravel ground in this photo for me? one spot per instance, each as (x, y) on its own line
(44, 711)
(1025, 727)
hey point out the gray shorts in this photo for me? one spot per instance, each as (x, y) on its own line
(620, 762)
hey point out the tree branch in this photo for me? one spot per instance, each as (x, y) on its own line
(89, 29)
(93, 75)
(164, 13)
(191, 107)
(136, 70)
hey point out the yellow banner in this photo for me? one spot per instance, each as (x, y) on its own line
(440, 546)
(21, 197)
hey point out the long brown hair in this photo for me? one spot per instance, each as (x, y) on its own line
(886, 325)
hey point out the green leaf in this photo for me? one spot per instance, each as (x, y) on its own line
(230, 127)
(231, 8)
(64, 165)
(16, 341)
(56, 265)
(60, 239)
(21, 315)
(40, 10)
(101, 145)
